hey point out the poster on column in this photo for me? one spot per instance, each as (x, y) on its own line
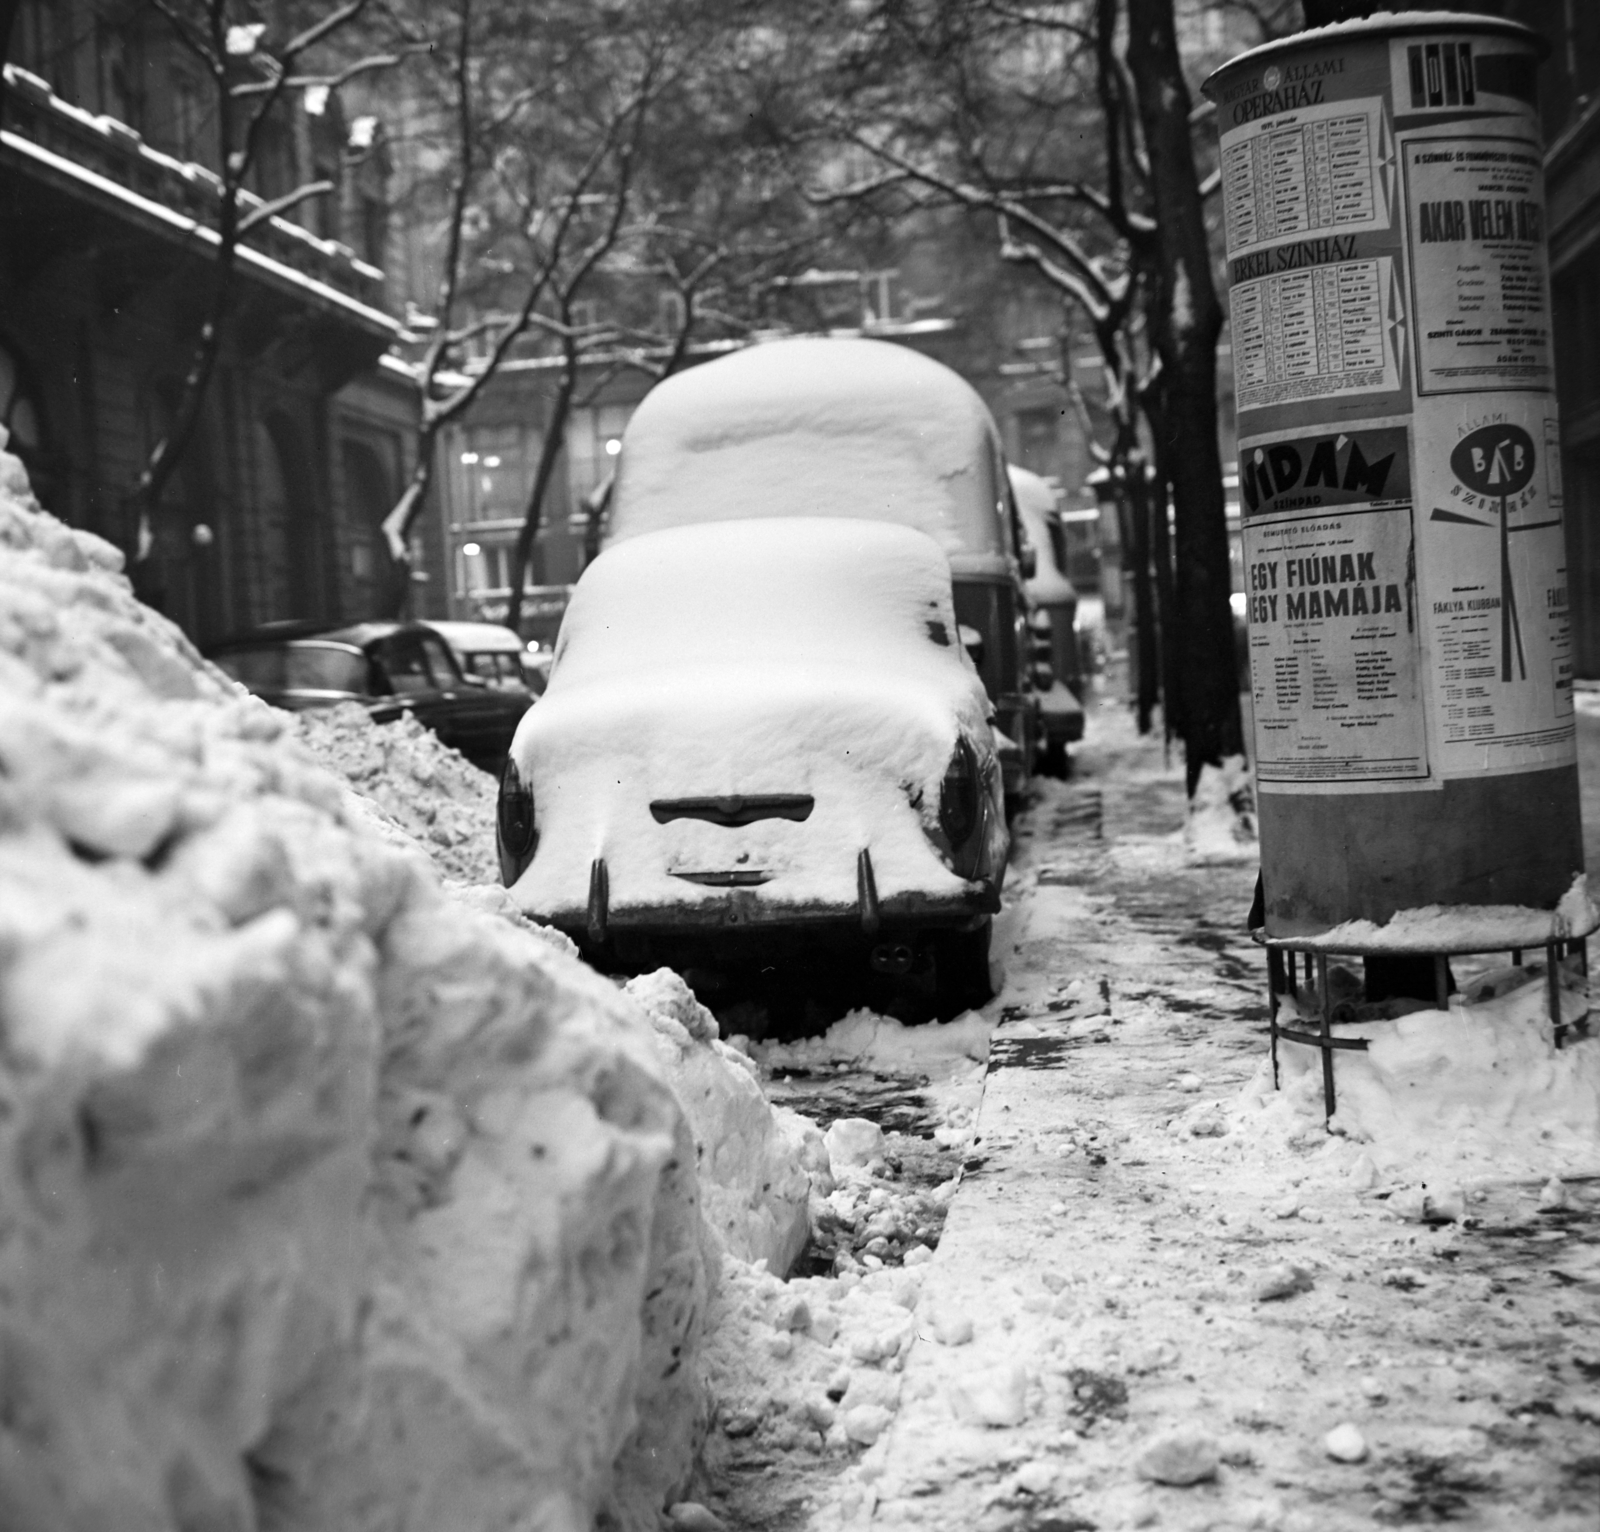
(1335, 641)
(1480, 303)
(1493, 584)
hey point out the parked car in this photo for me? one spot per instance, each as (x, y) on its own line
(855, 428)
(392, 669)
(494, 655)
(1053, 602)
(796, 760)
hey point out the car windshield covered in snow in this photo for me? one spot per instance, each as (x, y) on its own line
(817, 427)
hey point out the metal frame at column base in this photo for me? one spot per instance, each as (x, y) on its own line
(1284, 953)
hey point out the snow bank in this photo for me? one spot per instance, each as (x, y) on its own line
(816, 657)
(329, 1200)
(1476, 1094)
(1479, 1091)
(815, 427)
(1220, 823)
(433, 793)
(754, 1185)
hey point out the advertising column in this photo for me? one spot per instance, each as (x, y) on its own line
(1399, 481)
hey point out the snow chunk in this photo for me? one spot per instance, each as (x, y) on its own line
(754, 1186)
(433, 793)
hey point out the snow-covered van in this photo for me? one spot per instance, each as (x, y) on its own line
(856, 428)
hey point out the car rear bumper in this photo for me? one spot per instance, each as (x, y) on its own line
(746, 911)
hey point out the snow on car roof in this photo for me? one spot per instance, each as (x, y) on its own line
(826, 588)
(1036, 501)
(810, 426)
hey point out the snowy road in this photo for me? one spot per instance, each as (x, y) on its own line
(1141, 1281)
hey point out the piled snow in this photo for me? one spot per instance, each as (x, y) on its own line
(752, 1163)
(813, 427)
(330, 1200)
(817, 656)
(1221, 821)
(1478, 1094)
(1480, 1091)
(432, 792)
(1469, 927)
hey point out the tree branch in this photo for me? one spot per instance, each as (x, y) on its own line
(281, 205)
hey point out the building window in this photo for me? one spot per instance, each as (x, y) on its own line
(670, 312)
(120, 65)
(374, 229)
(493, 472)
(484, 568)
(1038, 431)
(191, 117)
(594, 439)
(38, 44)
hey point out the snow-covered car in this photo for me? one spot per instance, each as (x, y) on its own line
(1053, 617)
(493, 655)
(392, 669)
(763, 739)
(856, 428)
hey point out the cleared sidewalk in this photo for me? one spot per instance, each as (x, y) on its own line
(1128, 1292)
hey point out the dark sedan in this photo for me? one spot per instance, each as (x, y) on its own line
(391, 669)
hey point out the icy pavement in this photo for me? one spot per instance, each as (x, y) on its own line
(1163, 1296)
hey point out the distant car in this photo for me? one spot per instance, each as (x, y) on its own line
(853, 428)
(391, 669)
(494, 655)
(1053, 620)
(798, 759)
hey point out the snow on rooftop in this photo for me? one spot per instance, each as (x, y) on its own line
(815, 427)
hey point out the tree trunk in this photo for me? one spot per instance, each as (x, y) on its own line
(1166, 591)
(549, 452)
(1147, 624)
(1186, 319)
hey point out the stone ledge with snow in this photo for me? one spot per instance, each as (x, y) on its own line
(326, 1200)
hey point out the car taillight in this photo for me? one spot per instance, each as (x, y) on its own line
(958, 797)
(517, 834)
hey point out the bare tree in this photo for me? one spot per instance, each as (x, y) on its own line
(1070, 124)
(251, 75)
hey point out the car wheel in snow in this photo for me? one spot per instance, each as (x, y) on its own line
(961, 970)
